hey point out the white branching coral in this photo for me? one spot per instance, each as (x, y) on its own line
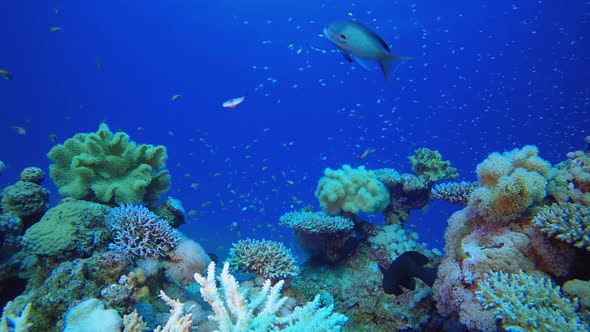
(12, 321)
(234, 312)
(178, 321)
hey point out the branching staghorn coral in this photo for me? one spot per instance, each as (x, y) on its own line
(268, 259)
(569, 222)
(140, 232)
(527, 303)
(234, 312)
(454, 192)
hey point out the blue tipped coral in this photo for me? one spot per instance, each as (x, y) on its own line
(139, 232)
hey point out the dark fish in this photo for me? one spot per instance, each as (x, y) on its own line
(404, 269)
(213, 257)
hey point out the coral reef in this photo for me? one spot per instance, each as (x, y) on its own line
(509, 184)
(354, 285)
(428, 164)
(265, 258)
(139, 232)
(570, 179)
(351, 190)
(454, 192)
(24, 199)
(109, 168)
(172, 211)
(72, 229)
(569, 222)
(128, 290)
(527, 303)
(234, 312)
(32, 174)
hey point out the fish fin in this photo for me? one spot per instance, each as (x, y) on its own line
(345, 54)
(382, 269)
(368, 64)
(428, 275)
(390, 63)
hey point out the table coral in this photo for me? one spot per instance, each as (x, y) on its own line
(109, 168)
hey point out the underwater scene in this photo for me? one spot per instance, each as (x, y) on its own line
(248, 165)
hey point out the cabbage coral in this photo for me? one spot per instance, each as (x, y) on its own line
(109, 168)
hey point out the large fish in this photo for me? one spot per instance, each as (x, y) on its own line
(404, 269)
(357, 42)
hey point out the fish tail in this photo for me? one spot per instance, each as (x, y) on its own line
(390, 63)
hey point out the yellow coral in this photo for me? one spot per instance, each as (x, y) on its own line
(351, 190)
(509, 184)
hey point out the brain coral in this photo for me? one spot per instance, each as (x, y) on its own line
(268, 259)
(24, 199)
(351, 190)
(72, 227)
(510, 183)
(109, 168)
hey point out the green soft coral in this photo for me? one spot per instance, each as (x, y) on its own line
(109, 168)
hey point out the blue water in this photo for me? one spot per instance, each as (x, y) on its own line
(485, 77)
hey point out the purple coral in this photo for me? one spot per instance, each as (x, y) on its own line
(140, 232)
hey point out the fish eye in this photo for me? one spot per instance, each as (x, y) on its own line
(343, 36)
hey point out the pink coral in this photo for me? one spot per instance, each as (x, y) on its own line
(187, 259)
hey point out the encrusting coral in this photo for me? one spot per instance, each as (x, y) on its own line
(72, 228)
(109, 168)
